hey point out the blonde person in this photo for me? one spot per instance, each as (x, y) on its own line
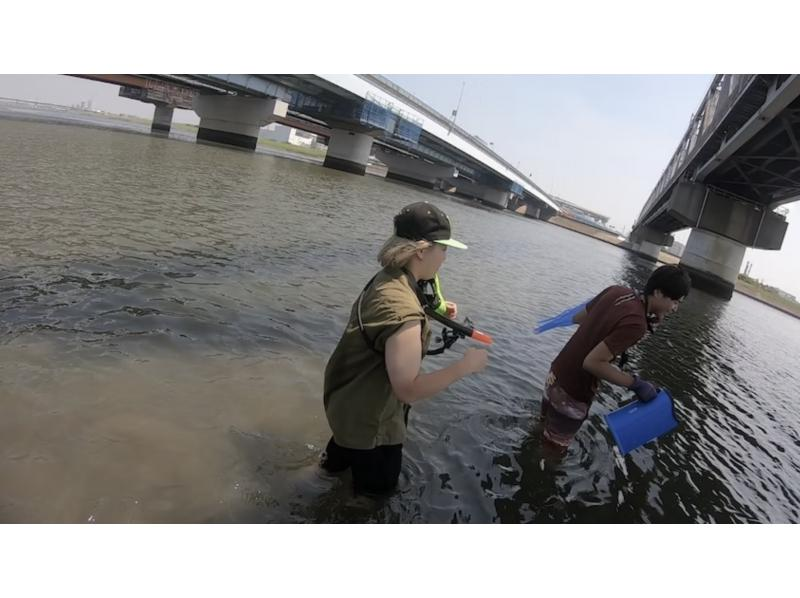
(374, 375)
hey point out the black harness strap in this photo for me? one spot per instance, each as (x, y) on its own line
(623, 359)
(448, 337)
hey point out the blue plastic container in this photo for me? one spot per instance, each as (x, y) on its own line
(562, 319)
(639, 422)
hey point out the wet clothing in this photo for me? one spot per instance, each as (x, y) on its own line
(375, 471)
(617, 317)
(561, 415)
(360, 405)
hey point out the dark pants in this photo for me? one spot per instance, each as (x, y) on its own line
(375, 471)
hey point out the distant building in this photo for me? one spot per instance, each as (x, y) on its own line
(581, 214)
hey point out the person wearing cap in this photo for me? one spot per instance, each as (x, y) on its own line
(608, 325)
(374, 376)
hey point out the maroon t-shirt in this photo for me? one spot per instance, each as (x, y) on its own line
(616, 316)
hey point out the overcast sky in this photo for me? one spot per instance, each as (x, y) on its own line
(598, 141)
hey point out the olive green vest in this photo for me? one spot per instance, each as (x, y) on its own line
(359, 403)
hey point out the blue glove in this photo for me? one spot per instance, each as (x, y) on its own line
(645, 391)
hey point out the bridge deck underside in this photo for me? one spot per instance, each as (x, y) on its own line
(764, 171)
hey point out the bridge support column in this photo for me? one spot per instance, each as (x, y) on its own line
(647, 242)
(713, 262)
(417, 172)
(497, 198)
(646, 249)
(528, 210)
(348, 151)
(162, 120)
(723, 226)
(235, 121)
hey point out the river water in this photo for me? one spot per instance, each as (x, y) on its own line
(167, 310)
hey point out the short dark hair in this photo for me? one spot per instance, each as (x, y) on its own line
(672, 280)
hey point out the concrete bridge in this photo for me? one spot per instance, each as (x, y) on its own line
(738, 160)
(359, 115)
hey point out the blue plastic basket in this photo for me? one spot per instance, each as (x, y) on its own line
(638, 422)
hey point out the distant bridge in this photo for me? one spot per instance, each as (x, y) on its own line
(358, 114)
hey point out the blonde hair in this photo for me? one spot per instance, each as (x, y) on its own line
(397, 251)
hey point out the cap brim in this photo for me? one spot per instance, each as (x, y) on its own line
(452, 243)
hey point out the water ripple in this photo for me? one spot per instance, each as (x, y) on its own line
(165, 303)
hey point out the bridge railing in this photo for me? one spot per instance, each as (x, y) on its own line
(723, 93)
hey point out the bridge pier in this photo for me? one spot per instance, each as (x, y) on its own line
(713, 262)
(723, 226)
(527, 209)
(646, 249)
(530, 212)
(415, 171)
(647, 242)
(348, 151)
(235, 121)
(497, 198)
(162, 120)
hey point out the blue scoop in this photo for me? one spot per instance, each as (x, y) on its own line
(562, 319)
(638, 422)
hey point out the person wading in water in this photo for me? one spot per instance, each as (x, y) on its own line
(374, 375)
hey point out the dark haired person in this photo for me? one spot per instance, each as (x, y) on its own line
(374, 374)
(612, 322)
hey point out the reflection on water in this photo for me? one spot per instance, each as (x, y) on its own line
(167, 309)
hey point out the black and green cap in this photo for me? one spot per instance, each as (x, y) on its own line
(424, 221)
